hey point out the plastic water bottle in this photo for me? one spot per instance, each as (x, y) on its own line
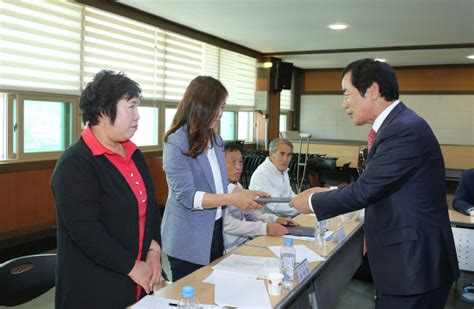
(188, 301)
(320, 230)
(287, 263)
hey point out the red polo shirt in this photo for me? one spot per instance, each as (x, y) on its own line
(130, 173)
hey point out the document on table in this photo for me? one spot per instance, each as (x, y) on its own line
(256, 265)
(155, 302)
(242, 293)
(218, 274)
(302, 252)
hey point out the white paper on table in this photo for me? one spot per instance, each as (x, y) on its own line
(242, 293)
(256, 265)
(302, 252)
(155, 302)
(219, 274)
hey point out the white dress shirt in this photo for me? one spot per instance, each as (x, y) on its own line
(240, 225)
(269, 179)
(216, 174)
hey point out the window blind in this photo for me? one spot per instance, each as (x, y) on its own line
(285, 100)
(183, 62)
(117, 43)
(40, 46)
(238, 74)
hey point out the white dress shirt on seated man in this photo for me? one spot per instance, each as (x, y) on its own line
(267, 177)
(240, 225)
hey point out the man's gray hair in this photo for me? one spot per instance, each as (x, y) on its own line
(278, 141)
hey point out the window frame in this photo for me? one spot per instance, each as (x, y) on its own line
(17, 100)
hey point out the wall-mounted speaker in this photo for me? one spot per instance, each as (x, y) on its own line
(284, 72)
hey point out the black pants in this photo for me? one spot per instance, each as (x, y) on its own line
(434, 299)
(182, 268)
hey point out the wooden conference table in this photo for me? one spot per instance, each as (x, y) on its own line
(319, 289)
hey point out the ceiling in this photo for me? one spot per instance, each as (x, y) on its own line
(296, 31)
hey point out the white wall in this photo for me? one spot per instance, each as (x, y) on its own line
(450, 116)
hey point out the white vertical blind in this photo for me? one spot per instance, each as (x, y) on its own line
(183, 62)
(40, 46)
(285, 100)
(211, 61)
(116, 43)
(238, 74)
(57, 46)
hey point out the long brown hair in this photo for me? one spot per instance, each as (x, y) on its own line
(198, 108)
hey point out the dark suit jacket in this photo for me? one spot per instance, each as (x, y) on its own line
(409, 240)
(97, 222)
(464, 196)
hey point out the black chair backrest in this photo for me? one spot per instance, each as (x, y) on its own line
(25, 278)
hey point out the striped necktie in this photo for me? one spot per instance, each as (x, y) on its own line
(370, 139)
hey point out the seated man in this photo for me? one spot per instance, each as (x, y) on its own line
(272, 177)
(464, 196)
(240, 225)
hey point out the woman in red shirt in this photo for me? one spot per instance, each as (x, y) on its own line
(108, 219)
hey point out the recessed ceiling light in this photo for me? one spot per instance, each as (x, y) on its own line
(380, 59)
(337, 26)
(470, 57)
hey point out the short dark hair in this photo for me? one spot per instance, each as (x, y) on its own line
(367, 71)
(101, 95)
(231, 146)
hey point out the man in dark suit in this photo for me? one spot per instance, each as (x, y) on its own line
(409, 240)
(464, 196)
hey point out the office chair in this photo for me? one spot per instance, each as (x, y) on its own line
(25, 278)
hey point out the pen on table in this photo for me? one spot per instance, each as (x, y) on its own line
(173, 305)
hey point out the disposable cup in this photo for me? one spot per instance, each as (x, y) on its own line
(274, 281)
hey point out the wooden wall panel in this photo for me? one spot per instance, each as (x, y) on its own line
(322, 81)
(159, 179)
(458, 157)
(427, 80)
(440, 79)
(26, 200)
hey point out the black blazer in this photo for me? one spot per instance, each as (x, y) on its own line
(97, 223)
(409, 239)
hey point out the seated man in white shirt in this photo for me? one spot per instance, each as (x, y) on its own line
(240, 225)
(272, 177)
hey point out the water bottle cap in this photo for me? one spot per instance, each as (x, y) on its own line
(288, 241)
(188, 291)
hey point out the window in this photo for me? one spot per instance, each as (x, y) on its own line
(147, 133)
(51, 49)
(285, 100)
(38, 126)
(47, 126)
(283, 122)
(3, 126)
(245, 126)
(169, 116)
(227, 130)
